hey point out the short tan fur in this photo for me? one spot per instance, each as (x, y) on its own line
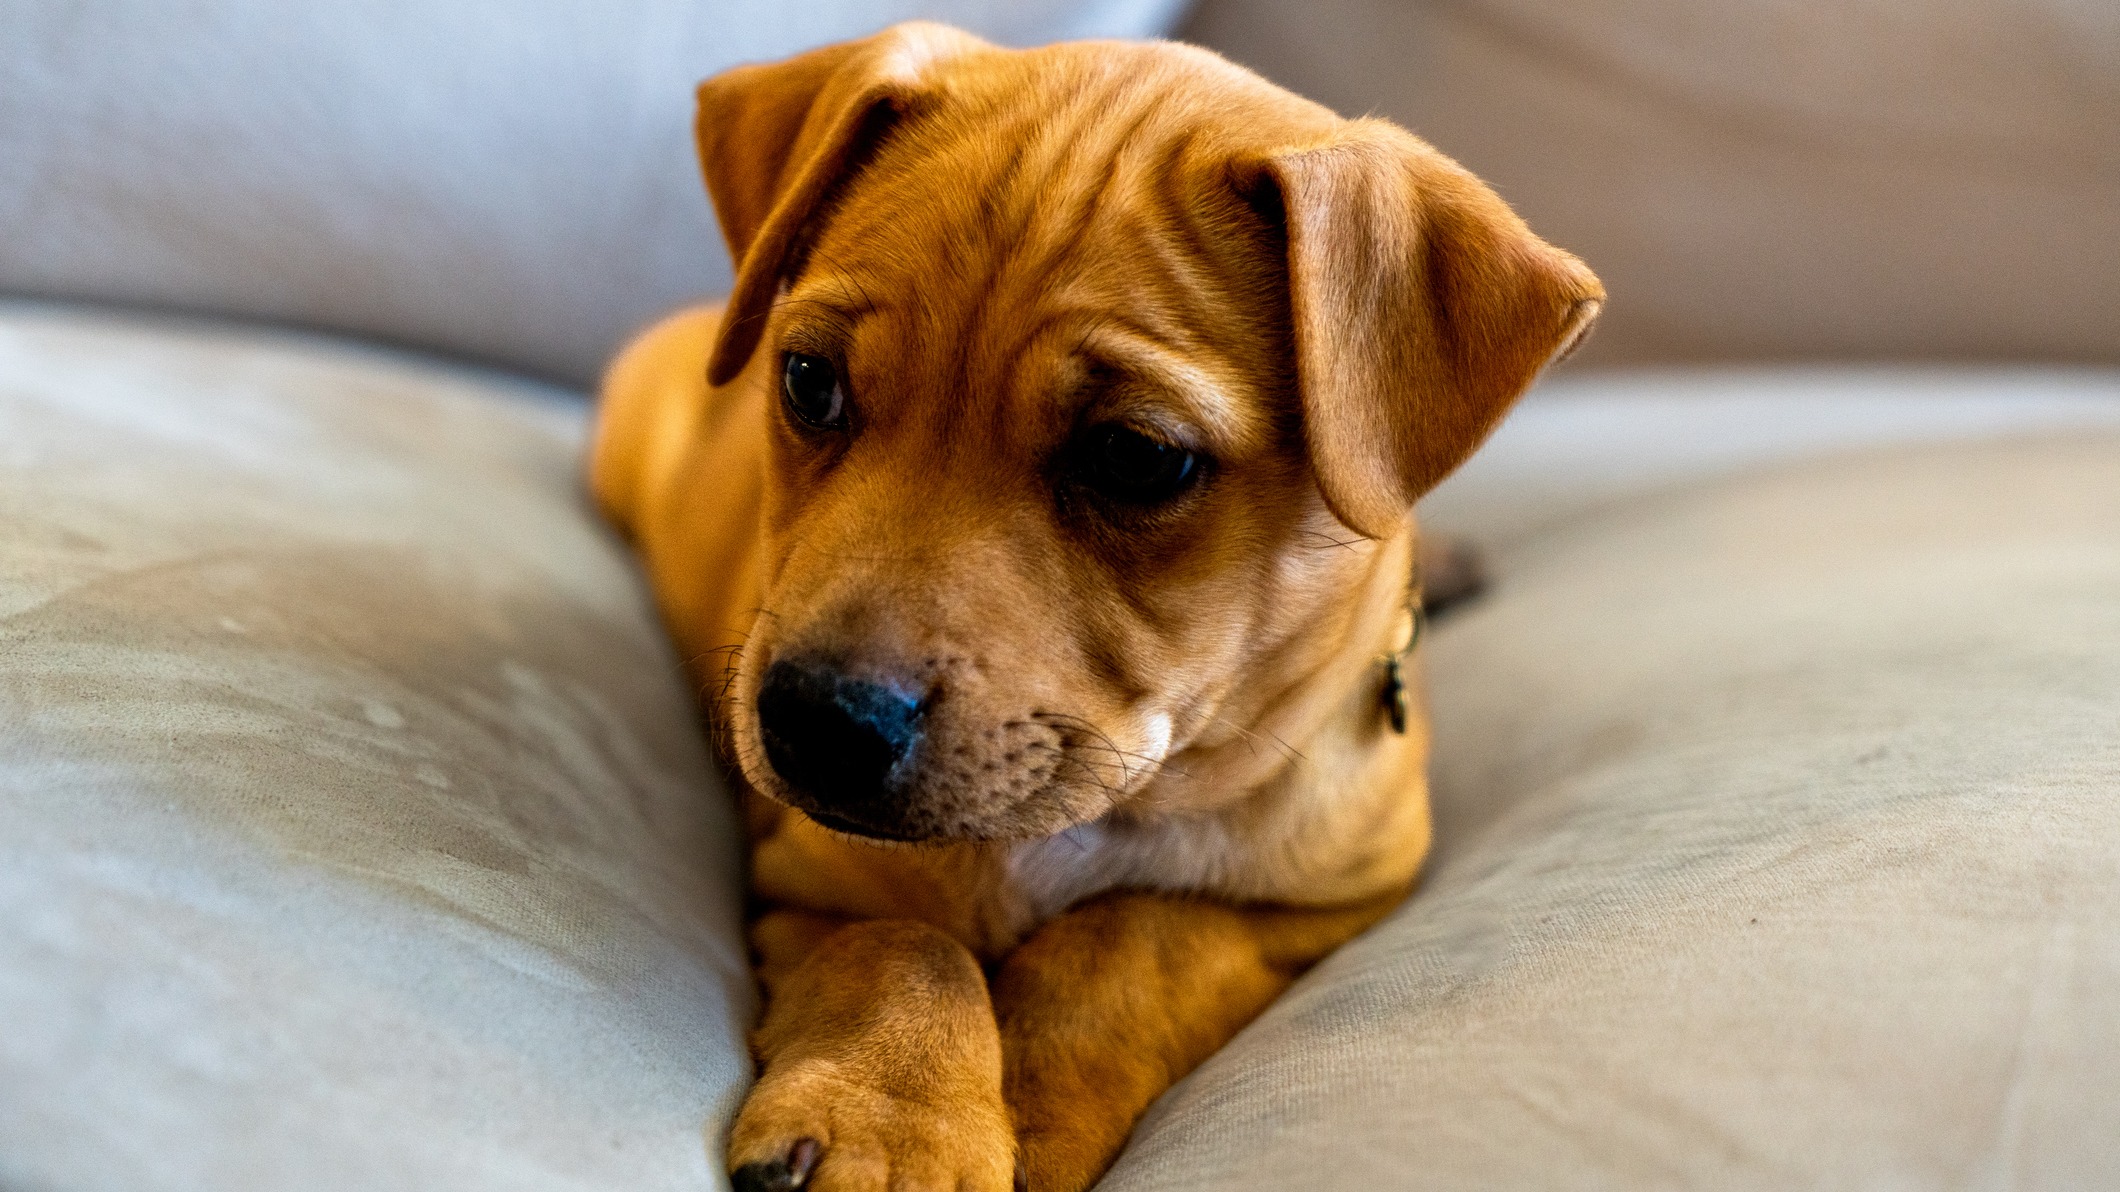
(1154, 781)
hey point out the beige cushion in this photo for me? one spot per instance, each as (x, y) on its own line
(355, 831)
(1588, 438)
(1777, 178)
(1778, 846)
(507, 179)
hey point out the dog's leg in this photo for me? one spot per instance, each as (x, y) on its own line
(1108, 1005)
(880, 1063)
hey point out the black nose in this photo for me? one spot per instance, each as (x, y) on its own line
(838, 742)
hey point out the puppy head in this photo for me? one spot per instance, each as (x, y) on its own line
(1106, 378)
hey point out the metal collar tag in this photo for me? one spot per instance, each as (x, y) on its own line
(1395, 699)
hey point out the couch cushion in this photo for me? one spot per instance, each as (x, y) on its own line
(508, 180)
(1584, 439)
(1778, 846)
(355, 832)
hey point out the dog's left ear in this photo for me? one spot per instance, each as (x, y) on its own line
(1422, 308)
(775, 137)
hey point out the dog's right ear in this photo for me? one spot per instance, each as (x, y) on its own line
(775, 137)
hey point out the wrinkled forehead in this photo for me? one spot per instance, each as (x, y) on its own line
(1043, 246)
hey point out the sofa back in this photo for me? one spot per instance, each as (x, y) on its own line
(509, 180)
(1759, 179)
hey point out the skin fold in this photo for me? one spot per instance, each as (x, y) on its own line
(1156, 781)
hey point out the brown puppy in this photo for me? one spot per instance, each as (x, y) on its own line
(1037, 519)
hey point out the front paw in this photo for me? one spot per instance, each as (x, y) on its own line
(812, 1126)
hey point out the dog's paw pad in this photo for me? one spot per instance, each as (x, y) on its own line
(780, 1175)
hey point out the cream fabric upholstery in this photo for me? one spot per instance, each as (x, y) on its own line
(512, 180)
(355, 830)
(1588, 439)
(1779, 846)
(1881, 179)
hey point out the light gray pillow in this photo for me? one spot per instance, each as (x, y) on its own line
(1778, 827)
(355, 830)
(512, 180)
(1582, 440)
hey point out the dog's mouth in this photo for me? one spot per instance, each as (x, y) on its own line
(849, 827)
(866, 754)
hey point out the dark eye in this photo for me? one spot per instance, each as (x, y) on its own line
(1123, 464)
(810, 387)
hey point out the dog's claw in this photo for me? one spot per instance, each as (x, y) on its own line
(802, 1159)
(780, 1175)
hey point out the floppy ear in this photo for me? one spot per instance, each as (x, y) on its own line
(775, 137)
(1422, 308)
